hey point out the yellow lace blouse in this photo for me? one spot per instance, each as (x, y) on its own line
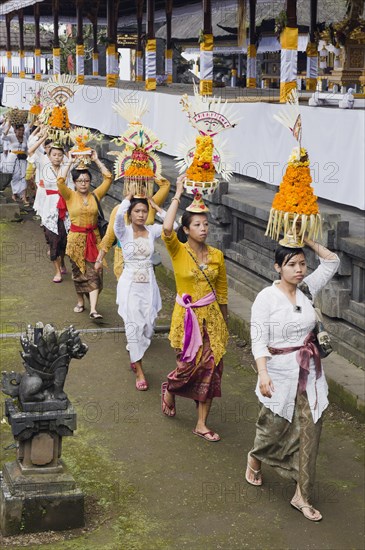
(83, 211)
(190, 280)
(159, 198)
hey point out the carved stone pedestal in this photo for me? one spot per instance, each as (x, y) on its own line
(36, 502)
(37, 493)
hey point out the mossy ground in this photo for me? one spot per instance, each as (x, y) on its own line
(149, 483)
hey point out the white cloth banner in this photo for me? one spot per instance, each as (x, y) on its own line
(206, 65)
(251, 67)
(312, 67)
(288, 68)
(150, 64)
(56, 64)
(168, 65)
(80, 65)
(337, 165)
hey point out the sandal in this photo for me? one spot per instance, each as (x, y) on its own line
(302, 509)
(63, 271)
(57, 279)
(213, 437)
(95, 315)
(257, 478)
(133, 367)
(164, 405)
(79, 309)
(141, 385)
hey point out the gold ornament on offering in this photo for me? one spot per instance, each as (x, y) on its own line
(294, 210)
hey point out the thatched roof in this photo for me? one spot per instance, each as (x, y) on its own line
(224, 17)
(46, 38)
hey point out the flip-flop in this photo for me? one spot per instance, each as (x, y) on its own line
(303, 507)
(256, 475)
(171, 408)
(63, 271)
(57, 280)
(141, 385)
(95, 315)
(133, 367)
(204, 436)
(79, 309)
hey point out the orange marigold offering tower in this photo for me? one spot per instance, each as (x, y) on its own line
(294, 210)
(209, 116)
(138, 163)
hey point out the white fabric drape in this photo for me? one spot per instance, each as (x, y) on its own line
(337, 158)
(312, 67)
(288, 68)
(206, 65)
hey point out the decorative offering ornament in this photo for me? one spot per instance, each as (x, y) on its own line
(35, 108)
(209, 116)
(55, 115)
(294, 210)
(138, 163)
(81, 137)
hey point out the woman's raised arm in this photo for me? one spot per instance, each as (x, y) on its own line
(168, 223)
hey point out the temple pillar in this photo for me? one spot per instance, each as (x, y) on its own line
(80, 50)
(206, 51)
(289, 52)
(251, 49)
(37, 44)
(312, 51)
(21, 44)
(95, 49)
(150, 47)
(110, 50)
(139, 61)
(9, 60)
(56, 40)
(168, 52)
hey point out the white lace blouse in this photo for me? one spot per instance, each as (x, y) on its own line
(276, 323)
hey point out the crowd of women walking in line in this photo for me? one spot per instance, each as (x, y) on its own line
(291, 385)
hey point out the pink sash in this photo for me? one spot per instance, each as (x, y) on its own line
(192, 337)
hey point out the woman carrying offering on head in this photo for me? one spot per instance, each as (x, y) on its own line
(109, 238)
(84, 238)
(138, 296)
(291, 386)
(53, 211)
(198, 326)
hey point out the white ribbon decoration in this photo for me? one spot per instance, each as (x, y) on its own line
(56, 64)
(150, 64)
(251, 67)
(288, 70)
(95, 66)
(206, 65)
(80, 65)
(312, 67)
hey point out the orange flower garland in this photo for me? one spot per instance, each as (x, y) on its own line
(59, 118)
(294, 209)
(295, 193)
(202, 168)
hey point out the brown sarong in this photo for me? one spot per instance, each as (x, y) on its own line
(290, 447)
(88, 281)
(57, 243)
(199, 381)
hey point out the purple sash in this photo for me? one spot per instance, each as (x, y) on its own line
(192, 336)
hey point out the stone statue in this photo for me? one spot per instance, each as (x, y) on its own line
(46, 355)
